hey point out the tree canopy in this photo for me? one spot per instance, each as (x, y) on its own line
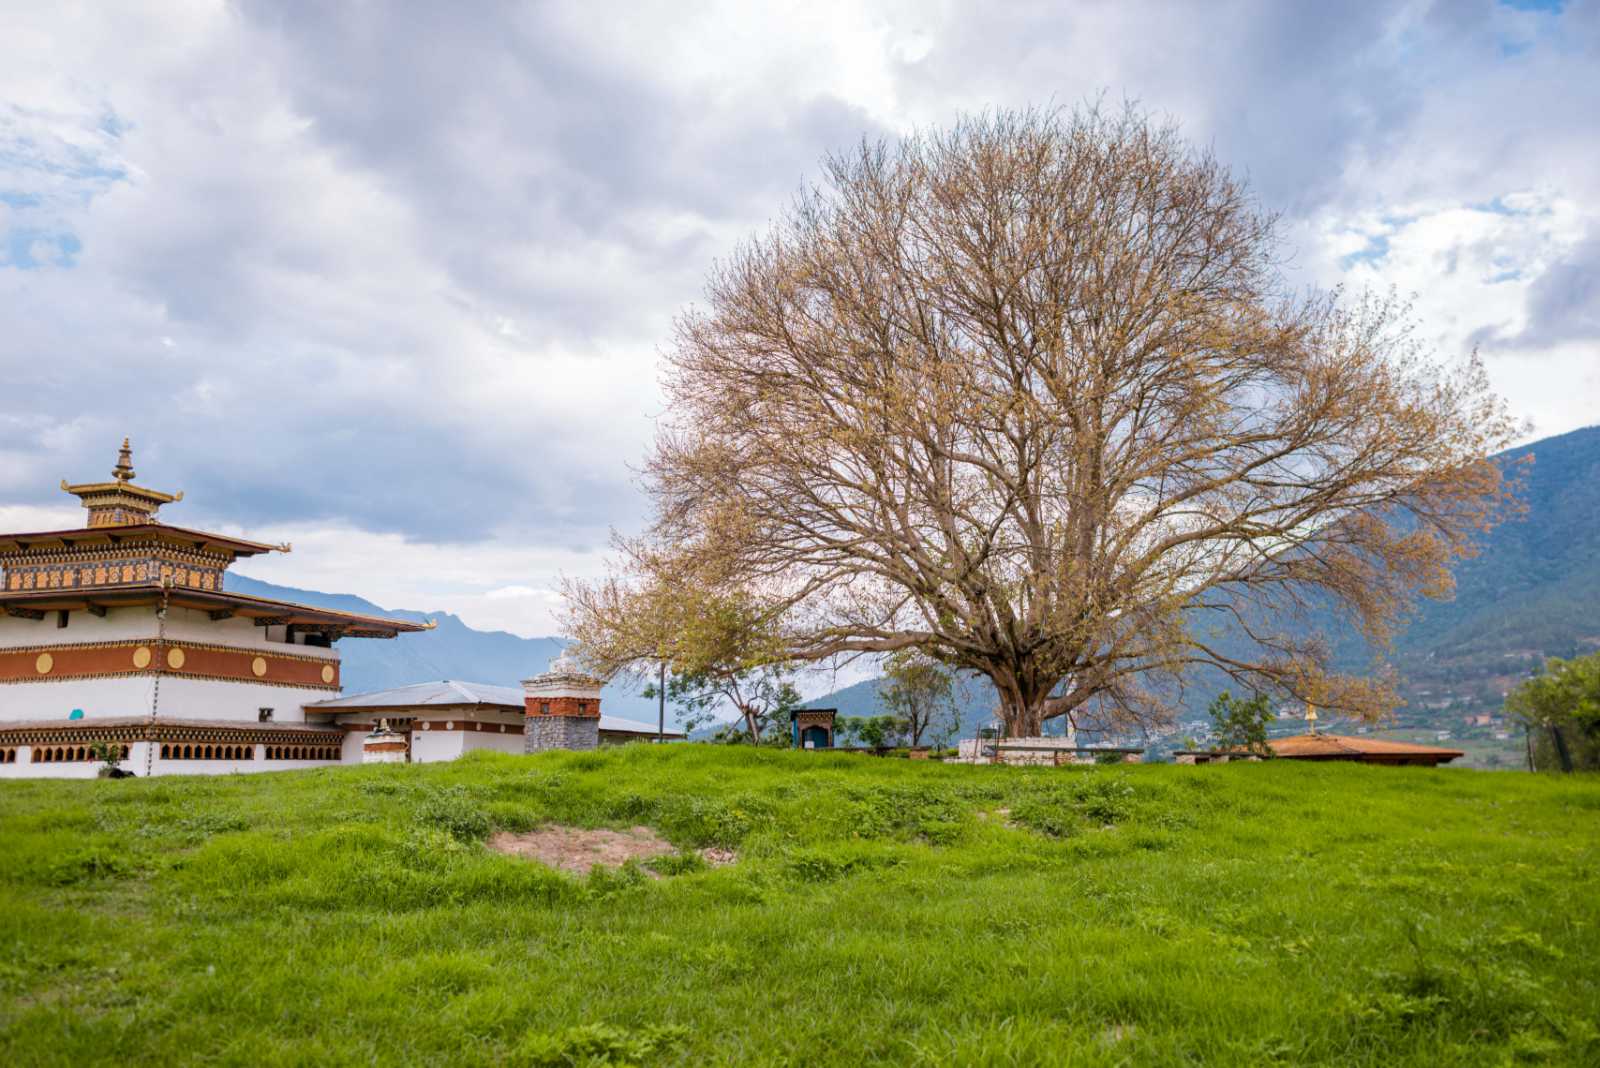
(1026, 394)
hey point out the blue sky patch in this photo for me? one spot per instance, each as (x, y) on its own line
(28, 249)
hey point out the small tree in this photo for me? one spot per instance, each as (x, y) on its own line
(763, 697)
(110, 756)
(1562, 702)
(712, 636)
(875, 731)
(1241, 724)
(918, 690)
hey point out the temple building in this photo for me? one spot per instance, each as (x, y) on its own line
(121, 633)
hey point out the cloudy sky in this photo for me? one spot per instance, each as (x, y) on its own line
(390, 280)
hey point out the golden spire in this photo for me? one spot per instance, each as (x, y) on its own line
(120, 502)
(123, 472)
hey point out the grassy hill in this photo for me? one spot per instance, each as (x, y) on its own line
(877, 911)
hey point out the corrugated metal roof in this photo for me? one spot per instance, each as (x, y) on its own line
(420, 694)
(453, 693)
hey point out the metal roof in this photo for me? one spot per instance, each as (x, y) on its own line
(455, 694)
(1340, 745)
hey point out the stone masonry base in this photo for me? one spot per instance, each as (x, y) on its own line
(560, 732)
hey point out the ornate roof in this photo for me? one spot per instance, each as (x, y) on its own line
(120, 502)
(221, 604)
(565, 670)
(130, 533)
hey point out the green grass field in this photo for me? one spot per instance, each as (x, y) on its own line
(880, 910)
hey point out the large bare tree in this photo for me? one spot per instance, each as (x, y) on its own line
(1031, 395)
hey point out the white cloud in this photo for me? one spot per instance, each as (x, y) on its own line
(390, 283)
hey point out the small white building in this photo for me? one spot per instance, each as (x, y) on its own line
(442, 720)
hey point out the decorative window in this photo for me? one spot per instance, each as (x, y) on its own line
(67, 754)
(304, 752)
(203, 751)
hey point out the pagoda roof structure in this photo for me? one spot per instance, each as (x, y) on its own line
(120, 502)
(111, 536)
(219, 604)
(125, 556)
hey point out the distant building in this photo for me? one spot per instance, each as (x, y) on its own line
(442, 720)
(121, 632)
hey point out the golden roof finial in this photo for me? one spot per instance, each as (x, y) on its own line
(123, 472)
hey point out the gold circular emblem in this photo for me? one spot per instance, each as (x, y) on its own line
(327, 673)
(44, 663)
(175, 659)
(258, 667)
(141, 657)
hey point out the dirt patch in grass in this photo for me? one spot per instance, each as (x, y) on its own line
(576, 850)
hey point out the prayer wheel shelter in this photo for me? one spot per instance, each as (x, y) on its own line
(812, 728)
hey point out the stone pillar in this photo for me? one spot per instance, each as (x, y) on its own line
(383, 746)
(562, 708)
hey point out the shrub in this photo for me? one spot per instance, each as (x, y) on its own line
(601, 1044)
(85, 865)
(451, 809)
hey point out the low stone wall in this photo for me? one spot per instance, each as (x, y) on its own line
(1047, 752)
(560, 732)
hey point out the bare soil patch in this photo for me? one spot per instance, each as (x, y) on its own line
(576, 850)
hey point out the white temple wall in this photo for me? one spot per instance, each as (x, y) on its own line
(187, 625)
(118, 624)
(499, 743)
(183, 698)
(25, 768)
(350, 752)
(226, 767)
(429, 746)
(140, 622)
(95, 697)
(180, 698)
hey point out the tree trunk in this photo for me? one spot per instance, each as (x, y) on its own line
(1561, 746)
(1021, 706)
